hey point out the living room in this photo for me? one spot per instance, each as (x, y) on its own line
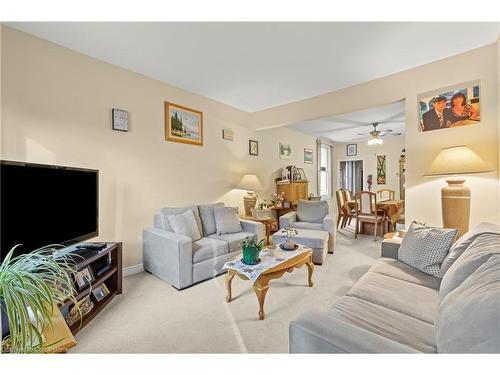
(180, 151)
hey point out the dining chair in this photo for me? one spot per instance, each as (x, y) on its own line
(366, 211)
(385, 194)
(350, 210)
(341, 208)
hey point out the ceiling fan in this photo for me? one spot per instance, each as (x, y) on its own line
(376, 135)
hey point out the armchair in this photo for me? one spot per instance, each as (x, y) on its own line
(312, 215)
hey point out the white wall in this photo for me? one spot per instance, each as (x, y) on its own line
(391, 148)
(56, 109)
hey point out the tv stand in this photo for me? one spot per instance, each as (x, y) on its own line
(106, 266)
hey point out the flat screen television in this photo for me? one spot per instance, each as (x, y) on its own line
(46, 204)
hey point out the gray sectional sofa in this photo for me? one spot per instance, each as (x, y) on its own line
(180, 261)
(395, 308)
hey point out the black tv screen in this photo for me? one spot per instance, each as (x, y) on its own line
(46, 204)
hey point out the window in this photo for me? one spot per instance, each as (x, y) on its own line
(325, 178)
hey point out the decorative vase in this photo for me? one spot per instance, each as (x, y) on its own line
(251, 255)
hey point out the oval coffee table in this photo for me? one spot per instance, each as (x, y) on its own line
(261, 285)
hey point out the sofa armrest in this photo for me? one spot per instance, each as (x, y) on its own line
(390, 247)
(319, 332)
(330, 226)
(169, 256)
(254, 227)
(287, 219)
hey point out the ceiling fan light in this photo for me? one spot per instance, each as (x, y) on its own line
(375, 141)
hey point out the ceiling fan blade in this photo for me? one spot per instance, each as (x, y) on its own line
(391, 134)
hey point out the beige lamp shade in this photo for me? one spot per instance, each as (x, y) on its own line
(250, 182)
(457, 160)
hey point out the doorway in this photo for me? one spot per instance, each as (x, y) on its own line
(351, 175)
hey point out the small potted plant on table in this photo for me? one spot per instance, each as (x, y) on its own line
(288, 233)
(251, 250)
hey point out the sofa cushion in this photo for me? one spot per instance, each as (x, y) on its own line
(480, 250)
(425, 248)
(306, 225)
(314, 239)
(408, 298)
(385, 322)
(208, 248)
(402, 271)
(465, 241)
(208, 218)
(226, 220)
(312, 211)
(185, 224)
(468, 319)
(166, 211)
(234, 240)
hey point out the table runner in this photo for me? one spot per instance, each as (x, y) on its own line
(270, 257)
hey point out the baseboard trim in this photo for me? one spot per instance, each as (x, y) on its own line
(132, 270)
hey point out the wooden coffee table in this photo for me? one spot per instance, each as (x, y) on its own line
(261, 285)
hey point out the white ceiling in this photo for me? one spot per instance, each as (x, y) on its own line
(356, 126)
(253, 66)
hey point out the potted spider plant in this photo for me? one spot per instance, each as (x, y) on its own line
(31, 287)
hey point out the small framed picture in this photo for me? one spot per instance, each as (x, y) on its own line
(84, 278)
(227, 134)
(302, 174)
(286, 204)
(120, 120)
(253, 147)
(100, 292)
(308, 155)
(352, 149)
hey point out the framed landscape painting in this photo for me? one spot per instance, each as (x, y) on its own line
(308, 155)
(183, 124)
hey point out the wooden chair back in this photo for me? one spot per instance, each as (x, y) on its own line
(347, 195)
(385, 194)
(366, 203)
(340, 202)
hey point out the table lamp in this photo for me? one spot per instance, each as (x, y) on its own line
(455, 198)
(251, 183)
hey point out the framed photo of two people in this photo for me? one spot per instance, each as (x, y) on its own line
(450, 107)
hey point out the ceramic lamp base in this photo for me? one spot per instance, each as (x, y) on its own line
(455, 203)
(249, 201)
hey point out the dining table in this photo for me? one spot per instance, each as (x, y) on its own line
(393, 208)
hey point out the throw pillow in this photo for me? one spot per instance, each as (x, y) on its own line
(226, 220)
(425, 248)
(185, 224)
(208, 218)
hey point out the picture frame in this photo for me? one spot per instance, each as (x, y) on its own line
(308, 155)
(450, 107)
(352, 149)
(381, 167)
(119, 120)
(285, 151)
(84, 277)
(183, 124)
(302, 174)
(253, 147)
(227, 134)
(100, 292)
(286, 204)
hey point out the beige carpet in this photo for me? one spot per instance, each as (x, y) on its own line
(153, 317)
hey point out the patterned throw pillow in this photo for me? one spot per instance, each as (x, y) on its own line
(425, 248)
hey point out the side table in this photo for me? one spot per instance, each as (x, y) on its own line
(268, 223)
